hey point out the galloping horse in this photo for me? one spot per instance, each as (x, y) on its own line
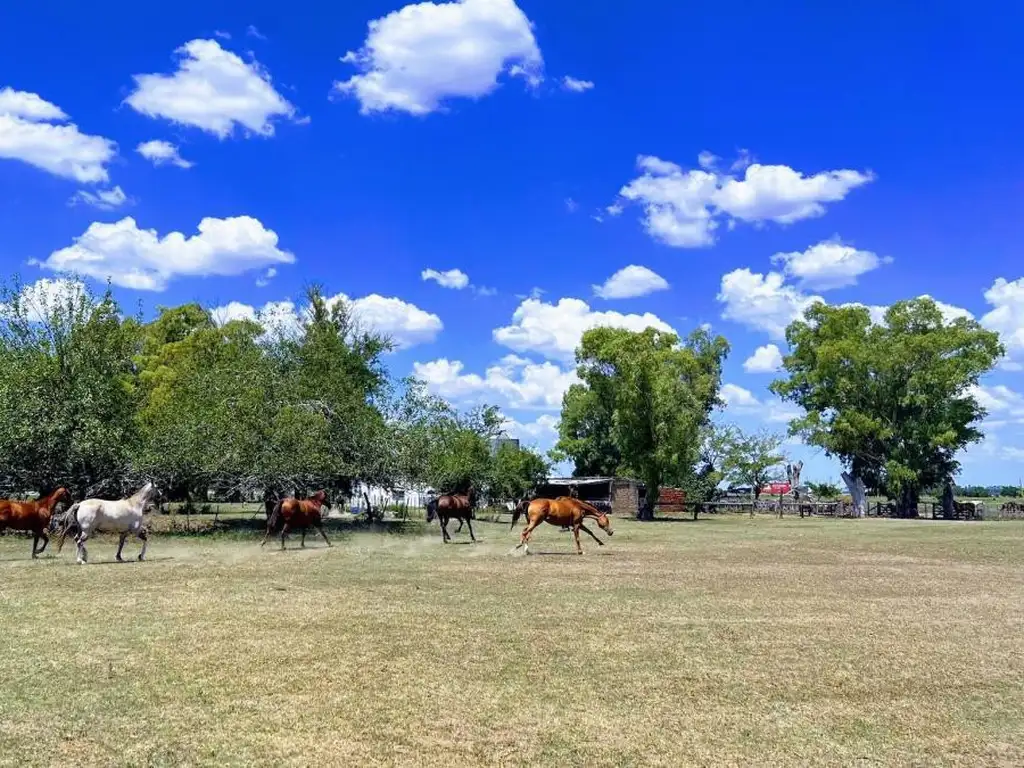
(32, 516)
(458, 506)
(124, 516)
(298, 513)
(563, 511)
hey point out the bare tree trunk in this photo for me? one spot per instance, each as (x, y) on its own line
(858, 492)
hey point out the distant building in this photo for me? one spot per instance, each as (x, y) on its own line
(497, 442)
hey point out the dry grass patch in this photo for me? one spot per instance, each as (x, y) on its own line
(723, 642)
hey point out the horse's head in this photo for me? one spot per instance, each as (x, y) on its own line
(589, 510)
(58, 496)
(605, 524)
(321, 496)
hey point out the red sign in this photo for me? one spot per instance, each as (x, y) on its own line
(776, 489)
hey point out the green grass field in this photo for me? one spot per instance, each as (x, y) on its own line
(729, 641)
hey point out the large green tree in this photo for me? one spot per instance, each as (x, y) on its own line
(650, 395)
(68, 389)
(515, 472)
(891, 401)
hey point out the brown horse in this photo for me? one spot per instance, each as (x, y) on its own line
(298, 513)
(563, 511)
(450, 505)
(32, 516)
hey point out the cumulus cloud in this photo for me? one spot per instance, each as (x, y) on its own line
(630, 282)
(554, 330)
(766, 303)
(1007, 318)
(684, 208)
(543, 430)
(766, 359)
(762, 302)
(513, 382)
(416, 58)
(577, 86)
(1004, 405)
(452, 278)
(142, 259)
(38, 300)
(740, 401)
(213, 90)
(405, 324)
(104, 199)
(162, 153)
(37, 132)
(828, 265)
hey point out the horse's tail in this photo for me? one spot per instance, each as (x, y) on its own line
(517, 510)
(70, 518)
(272, 521)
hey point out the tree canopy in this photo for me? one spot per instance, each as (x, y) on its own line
(748, 459)
(892, 401)
(642, 405)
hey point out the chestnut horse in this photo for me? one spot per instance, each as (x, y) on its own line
(563, 511)
(32, 516)
(451, 505)
(298, 513)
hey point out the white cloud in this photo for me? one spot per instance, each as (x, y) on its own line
(828, 265)
(554, 330)
(452, 278)
(417, 57)
(406, 324)
(684, 208)
(39, 299)
(104, 199)
(141, 259)
(1004, 405)
(766, 359)
(213, 90)
(571, 205)
(264, 280)
(36, 132)
(762, 302)
(577, 86)
(630, 282)
(949, 312)
(1007, 318)
(513, 382)
(737, 397)
(251, 31)
(543, 430)
(740, 401)
(162, 153)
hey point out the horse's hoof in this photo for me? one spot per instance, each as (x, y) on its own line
(142, 559)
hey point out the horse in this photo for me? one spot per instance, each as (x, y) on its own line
(124, 516)
(562, 511)
(448, 506)
(32, 516)
(298, 513)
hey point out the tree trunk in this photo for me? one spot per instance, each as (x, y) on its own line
(948, 509)
(858, 492)
(906, 504)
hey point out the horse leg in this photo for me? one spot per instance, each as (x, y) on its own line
(444, 528)
(320, 528)
(302, 541)
(599, 542)
(120, 546)
(46, 540)
(460, 526)
(83, 555)
(525, 536)
(470, 524)
(143, 535)
(576, 534)
(284, 532)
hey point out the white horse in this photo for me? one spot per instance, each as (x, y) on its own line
(99, 515)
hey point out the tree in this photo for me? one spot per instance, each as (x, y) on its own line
(892, 401)
(750, 458)
(68, 389)
(653, 394)
(824, 490)
(515, 472)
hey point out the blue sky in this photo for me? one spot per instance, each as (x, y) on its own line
(739, 158)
